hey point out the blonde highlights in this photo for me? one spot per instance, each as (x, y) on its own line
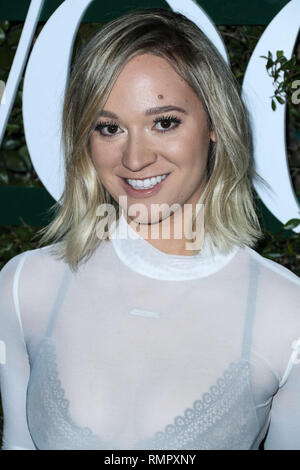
(230, 215)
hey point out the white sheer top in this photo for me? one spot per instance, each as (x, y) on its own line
(140, 349)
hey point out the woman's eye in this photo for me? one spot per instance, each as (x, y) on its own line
(110, 127)
(166, 122)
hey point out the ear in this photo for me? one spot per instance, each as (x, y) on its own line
(213, 136)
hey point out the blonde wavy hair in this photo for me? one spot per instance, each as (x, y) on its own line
(228, 197)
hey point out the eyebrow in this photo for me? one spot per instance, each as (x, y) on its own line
(148, 112)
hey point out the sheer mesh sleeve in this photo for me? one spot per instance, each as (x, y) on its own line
(284, 429)
(14, 366)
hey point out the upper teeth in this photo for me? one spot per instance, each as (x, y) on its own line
(147, 183)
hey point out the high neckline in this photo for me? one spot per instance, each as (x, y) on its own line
(142, 257)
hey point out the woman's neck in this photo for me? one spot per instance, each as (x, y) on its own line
(157, 258)
(173, 234)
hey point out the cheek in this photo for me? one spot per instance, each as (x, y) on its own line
(94, 151)
(100, 157)
(190, 150)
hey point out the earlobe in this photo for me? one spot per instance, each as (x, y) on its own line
(213, 136)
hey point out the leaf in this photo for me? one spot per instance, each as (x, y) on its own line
(15, 163)
(279, 54)
(290, 248)
(11, 144)
(14, 35)
(286, 65)
(18, 100)
(273, 105)
(6, 57)
(24, 154)
(4, 179)
(6, 247)
(2, 36)
(21, 232)
(276, 75)
(290, 224)
(12, 129)
(275, 255)
(5, 25)
(280, 100)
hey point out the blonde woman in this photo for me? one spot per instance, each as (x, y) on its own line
(122, 337)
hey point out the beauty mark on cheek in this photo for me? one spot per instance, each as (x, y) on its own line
(160, 97)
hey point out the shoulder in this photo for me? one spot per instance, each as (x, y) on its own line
(273, 271)
(277, 298)
(277, 294)
(28, 284)
(29, 263)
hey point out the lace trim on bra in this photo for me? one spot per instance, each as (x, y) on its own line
(224, 418)
(51, 396)
(205, 424)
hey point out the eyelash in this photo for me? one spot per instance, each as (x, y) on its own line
(170, 118)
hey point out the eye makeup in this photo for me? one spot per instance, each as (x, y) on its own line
(162, 119)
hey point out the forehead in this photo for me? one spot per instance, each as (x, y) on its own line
(149, 64)
(146, 79)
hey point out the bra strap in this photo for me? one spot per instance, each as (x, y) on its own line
(254, 270)
(59, 299)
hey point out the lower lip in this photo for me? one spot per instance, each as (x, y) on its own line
(142, 192)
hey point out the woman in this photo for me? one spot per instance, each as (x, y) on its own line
(117, 338)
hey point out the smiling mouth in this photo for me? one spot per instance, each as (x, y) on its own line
(146, 177)
(146, 183)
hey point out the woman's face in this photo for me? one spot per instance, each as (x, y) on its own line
(136, 139)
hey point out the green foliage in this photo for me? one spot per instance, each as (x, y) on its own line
(14, 240)
(240, 42)
(283, 71)
(282, 247)
(15, 165)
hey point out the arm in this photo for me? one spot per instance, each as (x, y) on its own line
(14, 362)
(284, 430)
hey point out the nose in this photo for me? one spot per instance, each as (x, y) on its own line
(137, 152)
